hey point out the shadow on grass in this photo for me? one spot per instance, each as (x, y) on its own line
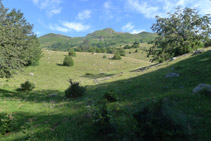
(34, 96)
(96, 76)
(46, 126)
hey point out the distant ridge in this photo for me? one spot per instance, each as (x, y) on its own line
(105, 36)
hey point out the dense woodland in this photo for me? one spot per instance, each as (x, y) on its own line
(89, 88)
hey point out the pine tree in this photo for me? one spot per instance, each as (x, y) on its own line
(19, 46)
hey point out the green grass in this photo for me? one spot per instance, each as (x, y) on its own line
(55, 118)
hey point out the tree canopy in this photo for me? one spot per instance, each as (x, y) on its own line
(180, 33)
(19, 46)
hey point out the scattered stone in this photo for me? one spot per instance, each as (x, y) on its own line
(172, 74)
(121, 72)
(146, 68)
(199, 51)
(52, 95)
(200, 87)
(173, 58)
(32, 74)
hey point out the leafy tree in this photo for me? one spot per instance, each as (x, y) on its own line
(68, 61)
(117, 56)
(180, 33)
(19, 46)
(71, 52)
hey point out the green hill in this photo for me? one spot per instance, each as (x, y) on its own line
(40, 116)
(101, 38)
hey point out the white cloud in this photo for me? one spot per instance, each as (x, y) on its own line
(129, 27)
(161, 7)
(35, 1)
(143, 8)
(107, 5)
(84, 14)
(52, 7)
(70, 26)
(78, 27)
(136, 31)
(58, 28)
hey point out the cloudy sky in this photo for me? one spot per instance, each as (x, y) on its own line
(80, 17)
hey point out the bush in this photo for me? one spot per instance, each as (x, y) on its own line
(155, 124)
(5, 123)
(136, 51)
(104, 56)
(75, 90)
(102, 124)
(71, 52)
(110, 96)
(26, 87)
(116, 56)
(88, 74)
(68, 61)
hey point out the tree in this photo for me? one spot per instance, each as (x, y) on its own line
(180, 33)
(71, 52)
(19, 46)
(117, 56)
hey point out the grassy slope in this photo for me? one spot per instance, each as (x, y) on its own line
(59, 119)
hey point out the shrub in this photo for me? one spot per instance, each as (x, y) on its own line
(71, 52)
(104, 56)
(116, 56)
(26, 86)
(206, 92)
(110, 96)
(88, 73)
(155, 124)
(68, 61)
(5, 123)
(136, 51)
(102, 124)
(74, 90)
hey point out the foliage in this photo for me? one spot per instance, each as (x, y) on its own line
(104, 56)
(102, 123)
(26, 86)
(134, 45)
(117, 56)
(19, 46)
(155, 124)
(6, 123)
(178, 34)
(71, 52)
(207, 43)
(110, 96)
(74, 90)
(68, 61)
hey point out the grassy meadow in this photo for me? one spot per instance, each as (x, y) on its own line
(38, 116)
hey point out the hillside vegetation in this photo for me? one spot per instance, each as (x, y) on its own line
(101, 38)
(38, 116)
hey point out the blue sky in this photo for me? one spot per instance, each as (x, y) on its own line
(80, 17)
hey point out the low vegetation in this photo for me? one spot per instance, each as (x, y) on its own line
(68, 61)
(74, 90)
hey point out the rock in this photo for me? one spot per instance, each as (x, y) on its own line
(52, 95)
(200, 87)
(32, 74)
(172, 74)
(199, 51)
(173, 58)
